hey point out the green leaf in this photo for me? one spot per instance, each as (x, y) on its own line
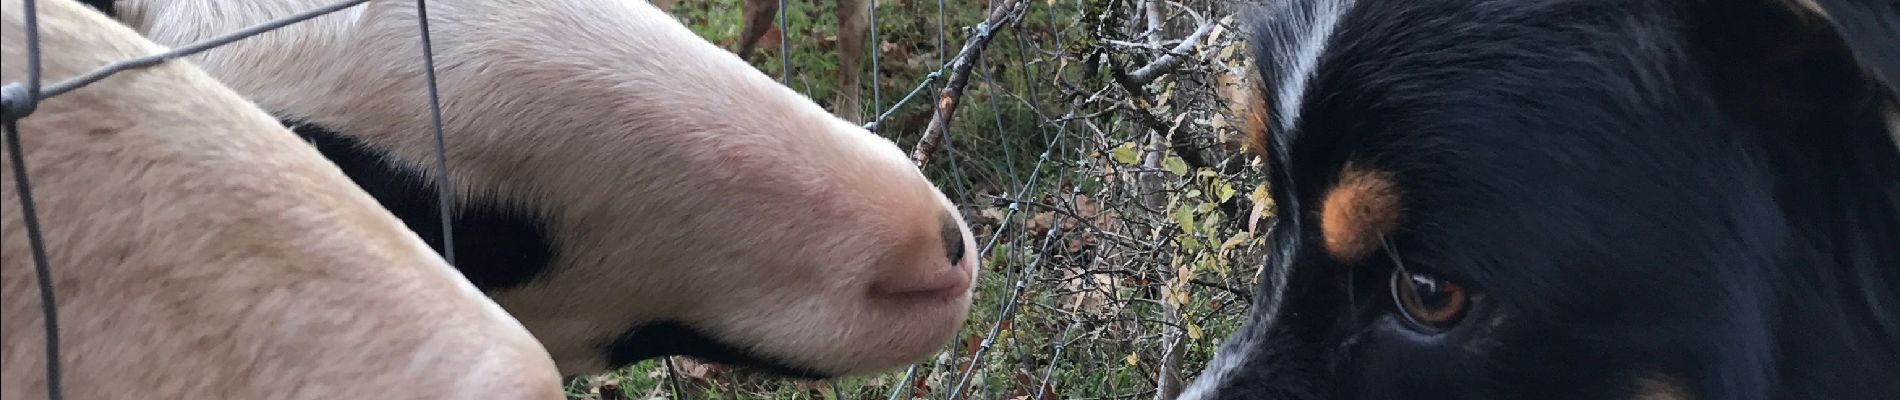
(1175, 166)
(1187, 241)
(1184, 216)
(1193, 193)
(1091, 183)
(1223, 191)
(1126, 154)
(1219, 265)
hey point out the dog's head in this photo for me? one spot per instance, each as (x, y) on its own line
(1558, 199)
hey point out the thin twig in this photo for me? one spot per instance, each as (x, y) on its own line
(1236, 292)
(1005, 15)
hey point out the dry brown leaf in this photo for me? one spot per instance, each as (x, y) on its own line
(771, 38)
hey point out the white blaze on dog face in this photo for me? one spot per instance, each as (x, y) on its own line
(688, 203)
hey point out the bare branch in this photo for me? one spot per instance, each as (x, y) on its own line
(1005, 14)
(1173, 59)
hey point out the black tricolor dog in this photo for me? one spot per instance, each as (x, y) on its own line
(1567, 199)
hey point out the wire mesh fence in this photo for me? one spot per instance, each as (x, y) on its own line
(1088, 143)
(1092, 149)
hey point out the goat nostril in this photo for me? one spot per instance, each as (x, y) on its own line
(952, 238)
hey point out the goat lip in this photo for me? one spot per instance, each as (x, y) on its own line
(949, 283)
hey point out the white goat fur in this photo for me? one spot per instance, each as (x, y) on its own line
(679, 182)
(201, 251)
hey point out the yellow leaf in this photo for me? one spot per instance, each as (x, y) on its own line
(1132, 359)
(1194, 331)
(1260, 202)
(1235, 241)
(1063, 63)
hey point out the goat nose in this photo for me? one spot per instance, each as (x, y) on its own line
(916, 276)
(952, 238)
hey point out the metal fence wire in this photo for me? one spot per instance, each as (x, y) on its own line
(1039, 195)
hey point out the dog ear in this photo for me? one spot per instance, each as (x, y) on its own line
(1871, 31)
(1803, 65)
(1818, 80)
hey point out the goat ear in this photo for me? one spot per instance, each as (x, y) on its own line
(103, 6)
(1869, 28)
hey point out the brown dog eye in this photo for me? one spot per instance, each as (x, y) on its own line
(1429, 302)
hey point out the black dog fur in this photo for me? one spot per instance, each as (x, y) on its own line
(1647, 199)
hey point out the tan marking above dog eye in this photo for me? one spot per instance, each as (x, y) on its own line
(1358, 212)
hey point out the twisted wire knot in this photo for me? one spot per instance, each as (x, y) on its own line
(16, 102)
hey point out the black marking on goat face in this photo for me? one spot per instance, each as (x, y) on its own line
(1690, 189)
(952, 237)
(496, 247)
(667, 338)
(104, 6)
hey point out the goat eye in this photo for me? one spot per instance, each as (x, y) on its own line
(1427, 301)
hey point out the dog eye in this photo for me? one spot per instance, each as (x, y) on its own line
(1427, 301)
